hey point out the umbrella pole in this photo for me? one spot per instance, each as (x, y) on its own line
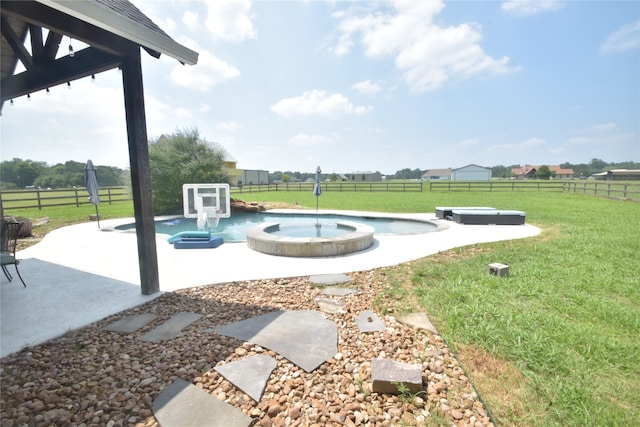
(97, 217)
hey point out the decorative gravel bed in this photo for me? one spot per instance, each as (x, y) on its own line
(92, 377)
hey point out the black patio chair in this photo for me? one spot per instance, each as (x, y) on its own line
(9, 240)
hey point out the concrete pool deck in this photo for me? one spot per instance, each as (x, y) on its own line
(79, 274)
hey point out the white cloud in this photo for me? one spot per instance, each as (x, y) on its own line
(520, 146)
(426, 54)
(230, 20)
(625, 38)
(367, 87)
(603, 127)
(317, 103)
(530, 7)
(190, 19)
(209, 72)
(305, 140)
(605, 135)
(228, 126)
(597, 128)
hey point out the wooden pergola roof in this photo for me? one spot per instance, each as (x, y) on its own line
(114, 31)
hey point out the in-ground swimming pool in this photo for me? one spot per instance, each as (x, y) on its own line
(234, 228)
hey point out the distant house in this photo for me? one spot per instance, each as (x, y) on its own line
(529, 172)
(364, 176)
(619, 175)
(239, 177)
(253, 176)
(437, 175)
(471, 173)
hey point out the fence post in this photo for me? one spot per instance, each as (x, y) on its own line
(75, 192)
(39, 201)
(109, 194)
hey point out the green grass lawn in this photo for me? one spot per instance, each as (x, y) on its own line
(555, 343)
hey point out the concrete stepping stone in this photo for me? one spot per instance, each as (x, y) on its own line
(249, 375)
(418, 321)
(182, 404)
(305, 338)
(386, 375)
(329, 279)
(130, 323)
(337, 291)
(330, 306)
(172, 328)
(368, 321)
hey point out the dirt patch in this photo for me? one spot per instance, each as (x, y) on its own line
(506, 392)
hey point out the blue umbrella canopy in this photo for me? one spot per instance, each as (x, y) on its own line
(91, 184)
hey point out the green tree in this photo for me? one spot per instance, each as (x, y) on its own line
(544, 172)
(182, 158)
(20, 173)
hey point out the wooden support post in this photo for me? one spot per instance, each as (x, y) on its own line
(140, 172)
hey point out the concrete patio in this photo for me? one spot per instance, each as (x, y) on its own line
(80, 274)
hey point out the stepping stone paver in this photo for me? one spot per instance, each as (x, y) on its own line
(329, 279)
(368, 321)
(172, 328)
(336, 291)
(182, 404)
(249, 375)
(305, 338)
(418, 321)
(386, 375)
(330, 306)
(130, 323)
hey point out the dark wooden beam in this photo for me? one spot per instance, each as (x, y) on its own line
(36, 43)
(16, 44)
(35, 13)
(140, 173)
(51, 46)
(85, 63)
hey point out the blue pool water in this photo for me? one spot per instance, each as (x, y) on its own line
(233, 228)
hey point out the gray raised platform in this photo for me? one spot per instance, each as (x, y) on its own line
(488, 217)
(446, 212)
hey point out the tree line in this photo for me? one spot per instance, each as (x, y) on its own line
(184, 156)
(579, 170)
(20, 174)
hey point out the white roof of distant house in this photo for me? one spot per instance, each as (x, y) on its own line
(219, 147)
(438, 172)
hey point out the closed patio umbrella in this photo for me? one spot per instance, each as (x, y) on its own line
(317, 188)
(91, 184)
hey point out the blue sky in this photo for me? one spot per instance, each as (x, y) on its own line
(365, 86)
